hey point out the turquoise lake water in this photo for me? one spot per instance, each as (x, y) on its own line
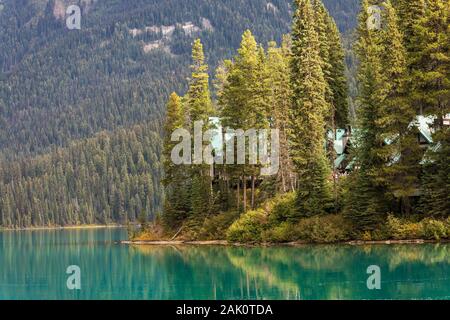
(33, 266)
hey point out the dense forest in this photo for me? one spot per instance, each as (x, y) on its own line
(60, 88)
(60, 85)
(395, 184)
(110, 178)
(82, 115)
(57, 85)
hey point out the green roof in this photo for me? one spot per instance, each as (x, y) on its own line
(350, 165)
(423, 124)
(339, 145)
(339, 160)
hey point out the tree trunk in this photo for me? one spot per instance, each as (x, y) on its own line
(333, 152)
(227, 190)
(245, 193)
(405, 205)
(253, 192)
(238, 194)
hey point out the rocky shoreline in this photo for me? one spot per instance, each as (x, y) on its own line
(297, 243)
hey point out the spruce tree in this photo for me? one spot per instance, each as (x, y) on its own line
(278, 61)
(432, 93)
(308, 112)
(397, 116)
(199, 108)
(333, 66)
(244, 105)
(367, 203)
(175, 119)
(409, 12)
(198, 96)
(176, 206)
(431, 63)
(436, 182)
(337, 79)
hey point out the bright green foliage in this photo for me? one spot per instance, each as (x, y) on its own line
(244, 102)
(198, 96)
(431, 62)
(307, 117)
(248, 228)
(409, 12)
(175, 119)
(428, 229)
(402, 172)
(271, 223)
(243, 97)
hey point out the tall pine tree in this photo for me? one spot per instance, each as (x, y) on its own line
(403, 151)
(199, 108)
(244, 106)
(432, 94)
(368, 203)
(308, 112)
(176, 206)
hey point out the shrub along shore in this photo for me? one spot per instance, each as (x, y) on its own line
(271, 224)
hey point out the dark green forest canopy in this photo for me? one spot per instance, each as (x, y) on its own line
(58, 84)
(111, 178)
(81, 110)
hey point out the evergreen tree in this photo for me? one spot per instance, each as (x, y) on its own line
(409, 12)
(333, 66)
(431, 62)
(279, 76)
(175, 119)
(245, 105)
(431, 69)
(198, 96)
(199, 108)
(176, 206)
(337, 79)
(402, 171)
(368, 203)
(308, 113)
(436, 198)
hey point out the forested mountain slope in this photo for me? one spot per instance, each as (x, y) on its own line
(111, 178)
(59, 88)
(58, 84)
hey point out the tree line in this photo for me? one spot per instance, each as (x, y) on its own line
(112, 178)
(256, 89)
(300, 87)
(59, 86)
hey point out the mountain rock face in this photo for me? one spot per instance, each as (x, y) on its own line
(58, 86)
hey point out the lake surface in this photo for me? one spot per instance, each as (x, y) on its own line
(33, 266)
